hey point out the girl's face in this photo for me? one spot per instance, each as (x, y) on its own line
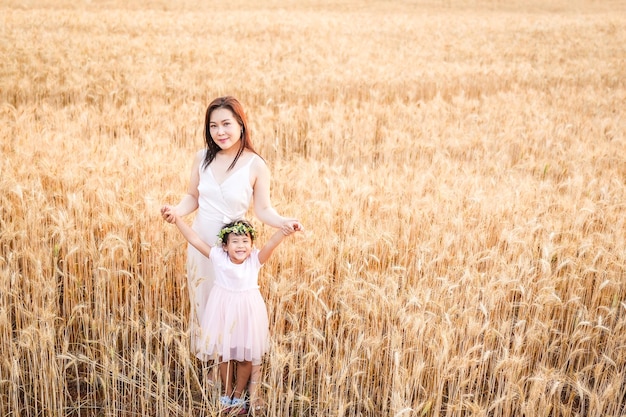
(224, 128)
(238, 247)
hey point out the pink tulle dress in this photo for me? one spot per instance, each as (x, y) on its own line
(234, 323)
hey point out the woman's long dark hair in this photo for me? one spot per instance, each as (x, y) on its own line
(232, 104)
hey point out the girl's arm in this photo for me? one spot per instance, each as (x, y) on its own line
(263, 204)
(192, 237)
(272, 243)
(189, 202)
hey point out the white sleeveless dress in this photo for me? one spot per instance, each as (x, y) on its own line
(218, 204)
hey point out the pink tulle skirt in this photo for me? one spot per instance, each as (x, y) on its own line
(234, 326)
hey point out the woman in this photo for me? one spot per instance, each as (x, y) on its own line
(225, 178)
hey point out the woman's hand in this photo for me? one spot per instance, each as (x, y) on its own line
(290, 226)
(169, 214)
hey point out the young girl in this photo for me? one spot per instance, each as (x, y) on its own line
(235, 323)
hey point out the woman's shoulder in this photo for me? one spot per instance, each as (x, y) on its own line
(259, 170)
(255, 159)
(199, 156)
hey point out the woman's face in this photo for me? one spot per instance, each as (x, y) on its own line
(224, 128)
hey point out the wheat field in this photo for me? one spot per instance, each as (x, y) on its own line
(459, 166)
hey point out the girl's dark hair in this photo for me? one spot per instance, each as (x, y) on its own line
(232, 104)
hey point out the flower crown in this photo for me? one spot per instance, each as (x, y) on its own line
(238, 228)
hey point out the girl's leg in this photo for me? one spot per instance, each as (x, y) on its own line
(255, 379)
(244, 370)
(226, 375)
(209, 372)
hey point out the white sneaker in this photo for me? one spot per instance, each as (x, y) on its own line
(225, 401)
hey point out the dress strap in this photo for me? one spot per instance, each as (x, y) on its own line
(254, 156)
